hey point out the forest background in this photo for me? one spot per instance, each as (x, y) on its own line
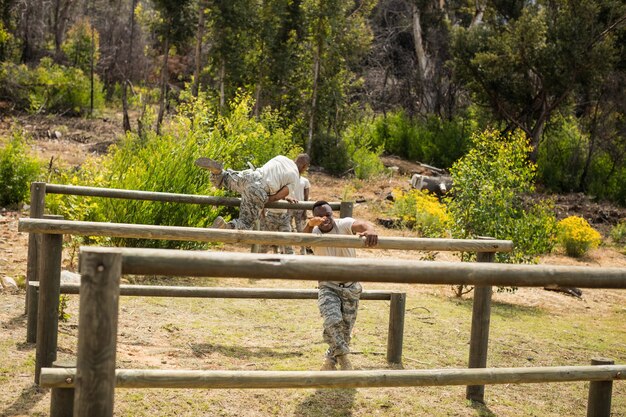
(504, 94)
(510, 96)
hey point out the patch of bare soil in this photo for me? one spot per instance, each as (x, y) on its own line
(64, 141)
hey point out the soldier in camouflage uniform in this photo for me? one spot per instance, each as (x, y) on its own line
(338, 301)
(277, 220)
(274, 181)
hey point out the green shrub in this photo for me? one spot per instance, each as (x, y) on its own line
(577, 236)
(364, 157)
(422, 212)
(17, 170)
(618, 232)
(561, 155)
(165, 163)
(492, 185)
(331, 152)
(49, 87)
(77, 45)
(434, 141)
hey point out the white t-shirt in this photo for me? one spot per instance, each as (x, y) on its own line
(303, 184)
(278, 172)
(342, 226)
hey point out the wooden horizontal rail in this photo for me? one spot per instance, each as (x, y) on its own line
(296, 267)
(221, 292)
(150, 378)
(170, 197)
(141, 231)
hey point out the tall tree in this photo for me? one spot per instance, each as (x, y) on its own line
(527, 67)
(174, 28)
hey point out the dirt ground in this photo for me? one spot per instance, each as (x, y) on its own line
(68, 141)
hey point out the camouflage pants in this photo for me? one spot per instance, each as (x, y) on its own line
(253, 195)
(277, 222)
(338, 307)
(299, 218)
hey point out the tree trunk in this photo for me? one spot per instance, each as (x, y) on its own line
(479, 12)
(316, 73)
(592, 144)
(222, 81)
(423, 61)
(129, 56)
(61, 11)
(164, 79)
(195, 87)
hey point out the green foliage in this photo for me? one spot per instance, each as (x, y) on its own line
(618, 232)
(165, 163)
(49, 87)
(490, 183)
(18, 168)
(422, 212)
(64, 316)
(234, 137)
(331, 152)
(7, 44)
(577, 236)
(78, 48)
(364, 157)
(562, 155)
(435, 141)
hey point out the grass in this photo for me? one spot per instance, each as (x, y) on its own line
(190, 333)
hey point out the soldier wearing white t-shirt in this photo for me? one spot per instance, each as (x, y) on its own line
(275, 180)
(338, 301)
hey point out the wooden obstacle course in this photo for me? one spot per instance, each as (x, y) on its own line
(103, 267)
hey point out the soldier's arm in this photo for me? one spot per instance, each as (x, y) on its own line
(365, 229)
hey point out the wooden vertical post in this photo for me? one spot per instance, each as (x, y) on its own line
(255, 247)
(62, 399)
(346, 208)
(37, 206)
(97, 333)
(479, 339)
(599, 401)
(32, 293)
(396, 328)
(48, 306)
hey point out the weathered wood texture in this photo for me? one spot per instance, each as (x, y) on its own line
(224, 292)
(479, 334)
(170, 197)
(97, 334)
(600, 393)
(48, 309)
(37, 204)
(395, 336)
(295, 267)
(62, 399)
(149, 378)
(259, 237)
(32, 297)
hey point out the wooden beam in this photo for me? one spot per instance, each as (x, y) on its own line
(170, 197)
(295, 267)
(141, 231)
(151, 378)
(224, 292)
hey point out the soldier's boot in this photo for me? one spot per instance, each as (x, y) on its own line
(220, 223)
(207, 163)
(329, 364)
(344, 362)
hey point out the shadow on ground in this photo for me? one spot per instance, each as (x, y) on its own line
(327, 402)
(29, 397)
(202, 349)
